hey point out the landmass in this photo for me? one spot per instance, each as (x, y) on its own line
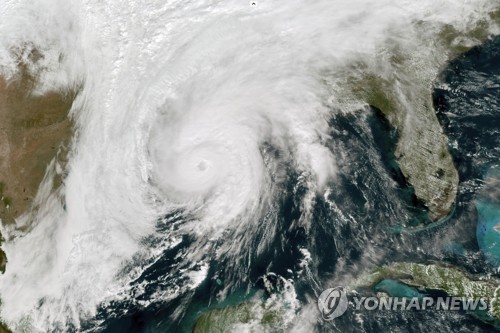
(255, 314)
(437, 276)
(35, 129)
(400, 85)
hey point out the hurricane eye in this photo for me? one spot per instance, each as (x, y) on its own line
(202, 166)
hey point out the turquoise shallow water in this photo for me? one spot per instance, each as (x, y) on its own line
(488, 237)
(397, 289)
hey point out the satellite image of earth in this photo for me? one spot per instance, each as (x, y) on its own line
(214, 166)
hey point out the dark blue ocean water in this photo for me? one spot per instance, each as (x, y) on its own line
(358, 225)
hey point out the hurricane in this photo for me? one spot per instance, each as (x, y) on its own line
(207, 137)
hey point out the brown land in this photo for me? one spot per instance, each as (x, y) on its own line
(33, 128)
